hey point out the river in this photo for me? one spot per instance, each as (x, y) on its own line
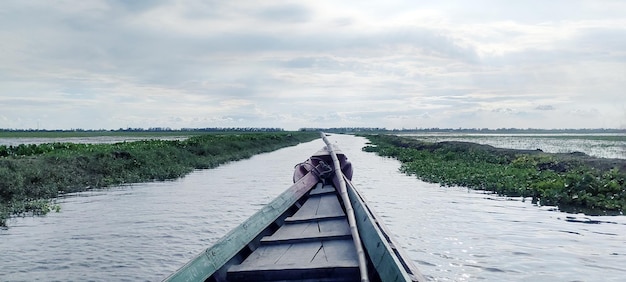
(143, 232)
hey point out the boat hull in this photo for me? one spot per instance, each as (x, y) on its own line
(304, 235)
(213, 262)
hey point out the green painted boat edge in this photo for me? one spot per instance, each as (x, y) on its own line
(389, 261)
(212, 259)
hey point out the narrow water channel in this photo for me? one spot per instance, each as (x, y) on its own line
(143, 232)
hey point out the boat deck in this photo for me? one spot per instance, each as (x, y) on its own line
(315, 244)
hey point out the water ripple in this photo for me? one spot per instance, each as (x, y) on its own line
(143, 232)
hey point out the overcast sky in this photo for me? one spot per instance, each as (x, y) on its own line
(292, 64)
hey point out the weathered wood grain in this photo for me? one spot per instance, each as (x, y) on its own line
(312, 260)
(325, 206)
(310, 231)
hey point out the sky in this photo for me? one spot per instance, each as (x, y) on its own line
(291, 64)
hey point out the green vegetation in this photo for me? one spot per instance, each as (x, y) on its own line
(70, 134)
(571, 182)
(30, 175)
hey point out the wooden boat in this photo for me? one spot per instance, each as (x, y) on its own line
(320, 229)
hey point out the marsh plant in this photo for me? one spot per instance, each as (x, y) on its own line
(31, 175)
(571, 183)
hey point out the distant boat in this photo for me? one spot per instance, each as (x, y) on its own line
(311, 232)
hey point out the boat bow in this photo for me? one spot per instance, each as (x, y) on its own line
(320, 229)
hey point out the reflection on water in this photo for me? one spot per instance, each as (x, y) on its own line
(143, 232)
(550, 143)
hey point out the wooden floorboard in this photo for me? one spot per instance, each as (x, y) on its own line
(308, 231)
(313, 244)
(319, 207)
(336, 258)
(339, 250)
(323, 190)
(302, 254)
(336, 273)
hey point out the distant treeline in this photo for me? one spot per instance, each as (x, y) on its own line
(345, 129)
(155, 129)
(464, 130)
(334, 130)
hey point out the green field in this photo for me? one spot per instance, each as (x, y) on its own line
(107, 133)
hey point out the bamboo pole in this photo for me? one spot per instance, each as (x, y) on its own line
(349, 211)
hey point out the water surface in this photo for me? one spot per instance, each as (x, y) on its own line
(591, 144)
(143, 232)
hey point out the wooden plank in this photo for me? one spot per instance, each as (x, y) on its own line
(308, 231)
(300, 255)
(319, 207)
(255, 270)
(334, 225)
(323, 190)
(265, 255)
(212, 259)
(334, 259)
(337, 251)
(312, 219)
(346, 271)
(308, 210)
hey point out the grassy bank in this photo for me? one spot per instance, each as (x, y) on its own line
(30, 175)
(87, 134)
(573, 182)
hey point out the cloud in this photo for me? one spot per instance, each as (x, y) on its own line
(288, 13)
(585, 112)
(509, 111)
(110, 64)
(545, 108)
